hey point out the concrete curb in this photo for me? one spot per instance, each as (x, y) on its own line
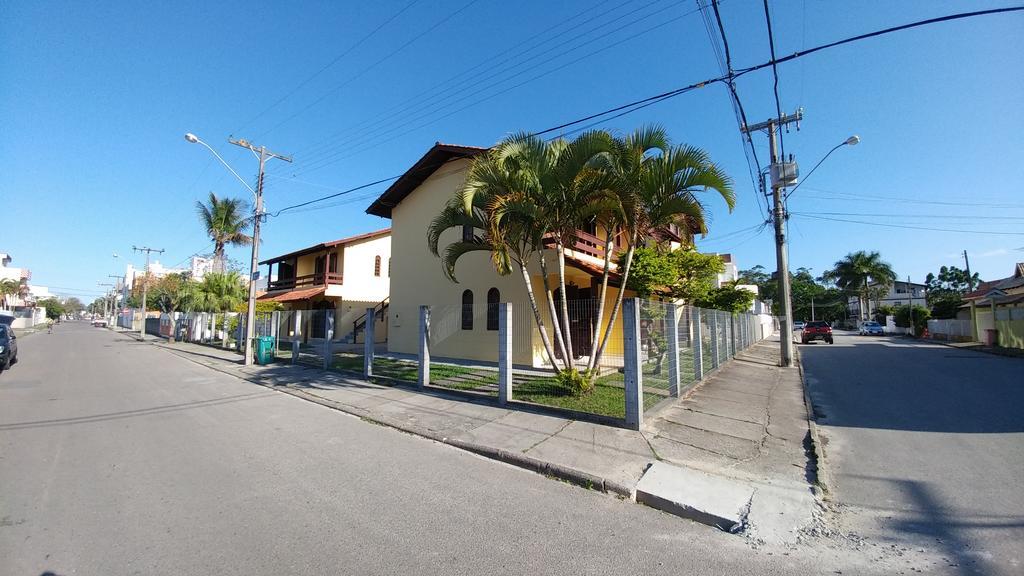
(518, 459)
(821, 471)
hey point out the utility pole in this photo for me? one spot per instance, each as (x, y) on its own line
(812, 308)
(121, 279)
(145, 285)
(782, 174)
(106, 299)
(910, 287)
(970, 279)
(250, 314)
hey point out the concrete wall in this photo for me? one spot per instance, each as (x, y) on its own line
(357, 267)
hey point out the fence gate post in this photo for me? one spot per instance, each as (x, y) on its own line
(275, 329)
(732, 334)
(631, 356)
(713, 325)
(504, 353)
(296, 331)
(423, 372)
(698, 346)
(371, 321)
(672, 327)
(328, 337)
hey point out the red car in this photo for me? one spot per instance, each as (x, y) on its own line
(816, 331)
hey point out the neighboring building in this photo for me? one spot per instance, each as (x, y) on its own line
(156, 270)
(347, 275)
(21, 275)
(997, 310)
(900, 294)
(463, 321)
(200, 267)
(731, 272)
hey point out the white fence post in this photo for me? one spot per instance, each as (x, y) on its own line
(672, 327)
(328, 337)
(698, 346)
(732, 334)
(368, 329)
(713, 325)
(504, 353)
(631, 356)
(275, 327)
(296, 331)
(423, 370)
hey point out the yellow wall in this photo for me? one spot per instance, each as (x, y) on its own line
(417, 279)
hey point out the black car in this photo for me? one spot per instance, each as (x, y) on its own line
(8, 347)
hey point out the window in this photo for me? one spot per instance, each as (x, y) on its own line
(467, 310)
(493, 298)
(467, 233)
(376, 265)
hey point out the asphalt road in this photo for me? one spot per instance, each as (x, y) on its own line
(117, 457)
(926, 446)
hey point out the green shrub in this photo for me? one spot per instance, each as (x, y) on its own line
(575, 382)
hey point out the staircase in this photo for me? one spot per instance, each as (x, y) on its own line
(379, 313)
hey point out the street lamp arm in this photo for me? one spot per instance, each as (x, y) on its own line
(226, 165)
(851, 141)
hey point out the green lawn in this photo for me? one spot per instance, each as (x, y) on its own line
(608, 398)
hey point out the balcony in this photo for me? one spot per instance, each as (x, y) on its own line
(306, 281)
(585, 244)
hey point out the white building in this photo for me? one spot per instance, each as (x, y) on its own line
(731, 272)
(899, 294)
(8, 272)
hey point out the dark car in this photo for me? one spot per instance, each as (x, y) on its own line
(8, 347)
(816, 331)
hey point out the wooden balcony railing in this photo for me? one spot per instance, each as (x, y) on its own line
(307, 281)
(585, 244)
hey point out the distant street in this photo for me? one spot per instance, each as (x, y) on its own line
(117, 457)
(926, 443)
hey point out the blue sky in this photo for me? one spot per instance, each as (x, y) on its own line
(96, 99)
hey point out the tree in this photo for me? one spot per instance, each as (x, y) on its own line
(216, 293)
(73, 305)
(54, 309)
(863, 274)
(944, 293)
(921, 315)
(173, 292)
(729, 297)
(9, 287)
(682, 274)
(225, 224)
(882, 313)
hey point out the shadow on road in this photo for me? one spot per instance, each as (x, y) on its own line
(898, 384)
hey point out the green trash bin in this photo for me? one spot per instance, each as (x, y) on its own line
(264, 350)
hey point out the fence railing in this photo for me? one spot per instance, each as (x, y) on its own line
(650, 354)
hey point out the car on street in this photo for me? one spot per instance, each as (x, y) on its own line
(99, 322)
(871, 328)
(799, 325)
(8, 347)
(816, 330)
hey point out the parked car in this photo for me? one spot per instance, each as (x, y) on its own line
(799, 325)
(816, 331)
(8, 347)
(871, 328)
(99, 322)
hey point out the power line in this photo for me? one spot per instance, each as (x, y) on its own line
(939, 216)
(879, 198)
(775, 73)
(356, 148)
(643, 102)
(885, 225)
(425, 98)
(436, 25)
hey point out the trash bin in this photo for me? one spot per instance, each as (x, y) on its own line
(264, 350)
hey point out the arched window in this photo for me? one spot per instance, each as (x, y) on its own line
(467, 310)
(493, 298)
(376, 265)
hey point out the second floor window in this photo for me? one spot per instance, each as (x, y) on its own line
(376, 265)
(467, 310)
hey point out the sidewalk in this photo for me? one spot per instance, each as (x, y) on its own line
(745, 424)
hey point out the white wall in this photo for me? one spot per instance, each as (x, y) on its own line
(358, 281)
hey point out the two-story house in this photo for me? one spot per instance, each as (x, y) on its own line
(347, 275)
(464, 319)
(899, 294)
(997, 310)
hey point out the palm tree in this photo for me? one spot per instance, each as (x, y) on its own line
(218, 292)
(857, 271)
(9, 287)
(225, 223)
(656, 185)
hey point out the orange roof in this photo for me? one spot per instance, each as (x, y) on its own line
(437, 156)
(293, 295)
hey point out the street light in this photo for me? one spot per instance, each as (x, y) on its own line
(851, 141)
(263, 155)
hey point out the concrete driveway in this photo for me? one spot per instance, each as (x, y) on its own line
(926, 447)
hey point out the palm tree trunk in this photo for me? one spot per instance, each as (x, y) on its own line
(600, 300)
(567, 327)
(551, 308)
(536, 316)
(618, 299)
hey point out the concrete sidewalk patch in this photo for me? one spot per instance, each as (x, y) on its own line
(711, 500)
